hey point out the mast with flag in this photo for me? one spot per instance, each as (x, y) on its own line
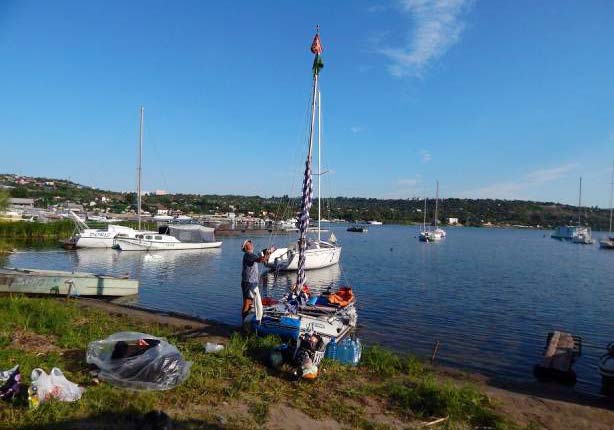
(307, 198)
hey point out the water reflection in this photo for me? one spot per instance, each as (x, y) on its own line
(276, 284)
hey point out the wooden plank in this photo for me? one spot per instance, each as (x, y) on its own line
(563, 357)
(551, 349)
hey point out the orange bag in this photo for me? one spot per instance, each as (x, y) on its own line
(343, 297)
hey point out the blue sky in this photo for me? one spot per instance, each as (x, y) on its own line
(493, 98)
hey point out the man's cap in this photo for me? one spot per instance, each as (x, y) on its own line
(245, 244)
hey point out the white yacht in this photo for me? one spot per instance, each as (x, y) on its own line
(190, 236)
(319, 253)
(438, 233)
(86, 237)
(373, 222)
(608, 241)
(576, 234)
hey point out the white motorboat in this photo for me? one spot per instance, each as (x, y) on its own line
(373, 222)
(302, 313)
(318, 253)
(576, 234)
(190, 236)
(86, 237)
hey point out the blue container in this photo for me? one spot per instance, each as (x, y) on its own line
(348, 351)
(331, 350)
(284, 327)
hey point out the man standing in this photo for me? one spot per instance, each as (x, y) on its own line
(250, 275)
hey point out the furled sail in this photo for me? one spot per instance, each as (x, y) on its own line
(307, 198)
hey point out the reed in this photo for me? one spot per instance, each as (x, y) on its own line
(36, 230)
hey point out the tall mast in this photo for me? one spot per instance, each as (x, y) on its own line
(306, 201)
(580, 203)
(436, 203)
(424, 221)
(611, 194)
(140, 166)
(319, 163)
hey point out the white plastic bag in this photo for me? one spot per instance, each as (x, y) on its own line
(212, 348)
(55, 386)
(6, 374)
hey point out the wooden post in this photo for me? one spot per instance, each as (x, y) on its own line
(435, 348)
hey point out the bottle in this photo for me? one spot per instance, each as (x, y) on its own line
(33, 400)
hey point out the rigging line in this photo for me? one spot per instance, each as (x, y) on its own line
(297, 173)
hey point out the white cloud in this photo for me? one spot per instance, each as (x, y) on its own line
(408, 182)
(356, 129)
(437, 26)
(426, 156)
(405, 188)
(521, 189)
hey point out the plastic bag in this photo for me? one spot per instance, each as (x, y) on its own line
(212, 348)
(55, 386)
(138, 361)
(9, 383)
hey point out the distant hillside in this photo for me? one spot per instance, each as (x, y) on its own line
(49, 191)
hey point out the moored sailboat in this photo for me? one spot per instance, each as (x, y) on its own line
(425, 234)
(86, 237)
(309, 322)
(319, 253)
(576, 234)
(608, 241)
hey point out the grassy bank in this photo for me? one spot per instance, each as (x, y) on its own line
(230, 390)
(36, 230)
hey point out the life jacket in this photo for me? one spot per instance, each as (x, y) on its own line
(343, 297)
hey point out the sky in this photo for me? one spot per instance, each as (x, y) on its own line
(495, 99)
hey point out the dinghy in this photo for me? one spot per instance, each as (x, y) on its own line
(57, 282)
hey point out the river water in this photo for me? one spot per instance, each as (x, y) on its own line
(490, 296)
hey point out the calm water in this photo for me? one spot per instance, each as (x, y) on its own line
(490, 296)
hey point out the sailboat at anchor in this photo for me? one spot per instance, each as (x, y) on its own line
(319, 253)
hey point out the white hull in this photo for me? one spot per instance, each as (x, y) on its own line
(287, 259)
(95, 241)
(148, 245)
(98, 238)
(55, 282)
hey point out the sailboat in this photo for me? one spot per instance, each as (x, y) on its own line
(608, 242)
(169, 238)
(319, 253)
(425, 234)
(576, 234)
(438, 233)
(86, 237)
(302, 316)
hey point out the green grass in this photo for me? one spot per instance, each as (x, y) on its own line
(36, 230)
(400, 386)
